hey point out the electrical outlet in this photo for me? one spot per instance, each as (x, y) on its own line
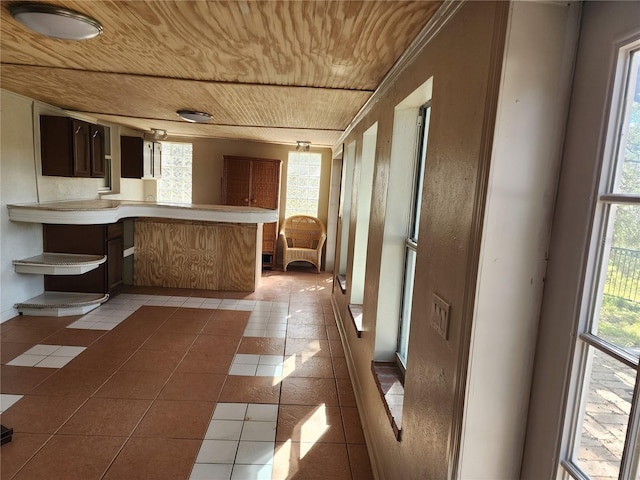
(440, 316)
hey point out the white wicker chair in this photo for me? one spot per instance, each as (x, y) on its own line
(302, 240)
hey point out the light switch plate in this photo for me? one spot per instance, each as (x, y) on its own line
(440, 316)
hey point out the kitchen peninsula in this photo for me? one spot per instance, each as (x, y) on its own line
(214, 247)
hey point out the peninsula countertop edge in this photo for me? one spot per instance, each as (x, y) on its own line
(87, 212)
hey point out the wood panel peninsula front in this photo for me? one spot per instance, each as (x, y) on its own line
(213, 247)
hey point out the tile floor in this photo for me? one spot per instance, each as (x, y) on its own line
(179, 384)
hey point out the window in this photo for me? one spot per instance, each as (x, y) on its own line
(601, 436)
(175, 184)
(303, 183)
(411, 241)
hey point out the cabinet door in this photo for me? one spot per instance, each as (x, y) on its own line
(265, 184)
(81, 148)
(131, 157)
(115, 262)
(97, 151)
(236, 182)
(55, 146)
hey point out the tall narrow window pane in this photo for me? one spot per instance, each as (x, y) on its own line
(407, 301)
(411, 243)
(176, 182)
(619, 315)
(609, 391)
(303, 183)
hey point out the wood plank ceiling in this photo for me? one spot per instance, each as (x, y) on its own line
(274, 71)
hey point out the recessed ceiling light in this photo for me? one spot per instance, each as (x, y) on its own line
(55, 22)
(194, 117)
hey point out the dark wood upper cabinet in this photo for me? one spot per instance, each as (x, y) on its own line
(97, 150)
(140, 158)
(71, 148)
(131, 157)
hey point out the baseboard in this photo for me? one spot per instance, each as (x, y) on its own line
(357, 390)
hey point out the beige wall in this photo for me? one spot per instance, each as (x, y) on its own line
(459, 59)
(208, 162)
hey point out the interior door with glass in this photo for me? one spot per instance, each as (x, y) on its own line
(584, 415)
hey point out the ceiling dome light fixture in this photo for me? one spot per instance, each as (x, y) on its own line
(55, 22)
(194, 117)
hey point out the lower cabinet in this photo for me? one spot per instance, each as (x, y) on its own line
(91, 240)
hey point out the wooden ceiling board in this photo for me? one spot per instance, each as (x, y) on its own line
(159, 98)
(331, 44)
(323, 138)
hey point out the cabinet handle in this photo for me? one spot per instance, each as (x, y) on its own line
(246, 200)
(253, 200)
(78, 130)
(95, 134)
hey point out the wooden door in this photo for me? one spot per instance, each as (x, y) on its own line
(236, 181)
(81, 149)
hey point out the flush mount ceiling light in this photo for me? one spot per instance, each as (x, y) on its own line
(303, 145)
(194, 117)
(55, 22)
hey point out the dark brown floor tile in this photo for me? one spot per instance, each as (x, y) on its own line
(215, 343)
(149, 323)
(231, 315)
(152, 361)
(360, 462)
(261, 346)
(299, 366)
(318, 332)
(352, 425)
(176, 342)
(340, 368)
(22, 380)
(176, 419)
(307, 347)
(40, 414)
(183, 325)
(309, 423)
(73, 383)
(22, 334)
(139, 385)
(152, 311)
(124, 337)
(345, 392)
(10, 350)
(72, 458)
(73, 337)
(20, 449)
(206, 362)
(51, 323)
(193, 386)
(164, 459)
(113, 417)
(216, 326)
(250, 390)
(332, 332)
(336, 348)
(192, 314)
(100, 358)
(309, 391)
(306, 461)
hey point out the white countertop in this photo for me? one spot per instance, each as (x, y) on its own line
(87, 212)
